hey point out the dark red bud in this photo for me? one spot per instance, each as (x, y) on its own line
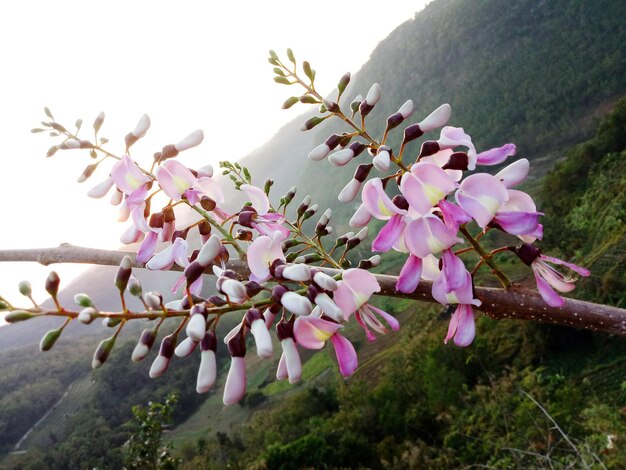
(237, 345)
(412, 132)
(429, 147)
(362, 172)
(527, 253)
(457, 161)
(209, 342)
(207, 203)
(157, 220)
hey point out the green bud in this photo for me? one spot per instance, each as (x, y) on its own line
(25, 288)
(52, 284)
(78, 124)
(110, 322)
(290, 56)
(290, 257)
(308, 71)
(83, 300)
(49, 339)
(134, 287)
(308, 99)
(282, 80)
(343, 83)
(311, 123)
(3, 305)
(17, 316)
(323, 108)
(289, 102)
(268, 184)
(102, 352)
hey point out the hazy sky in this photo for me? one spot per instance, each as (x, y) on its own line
(188, 64)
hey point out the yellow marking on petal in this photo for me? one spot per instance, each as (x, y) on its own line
(181, 184)
(434, 245)
(489, 203)
(452, 298)
(432, 193)
(383, 209)
(321, 335)
(132, 181)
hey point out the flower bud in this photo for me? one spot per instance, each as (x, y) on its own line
(329, 307)
(296, 303)
(101, 189)
(261, 334)
(186, 347)
(304, 205)
(192, 140)
(207, 372)
(134, 287)
(297, 272)
(18, 316)
(341, 157)
(429, 147)
(209, 251)
(438, 118)
(325, 281)
(373, 95)
(102, 352)
(361, 217)
(87, 172)
(146, 340)
(87, 315)
(290, 360)
(49, 339)
(123, 273)
(97, 124)
(52, 284)
(356, 102)
(382, 160)
(25, 288)
(349, 191)
(235, 387)
(162, 361)
(153, 300)
(310, 212)
(196, 327)
(343, 83)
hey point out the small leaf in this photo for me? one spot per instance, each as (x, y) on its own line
(278, 71)
(246, 174)
(54, 134)
(103, 140)
(290, 56)
(272, 61)
(273, 55)
(48, 113)
(225, 172)
(36, 130)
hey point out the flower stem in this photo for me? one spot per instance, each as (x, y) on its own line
(504, 280)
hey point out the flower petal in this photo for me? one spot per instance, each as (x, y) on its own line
(346, 355)
(410, 274)
(258, 198)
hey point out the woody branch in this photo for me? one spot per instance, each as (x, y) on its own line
(515, 302)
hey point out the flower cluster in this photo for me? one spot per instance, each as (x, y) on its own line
(180, 217)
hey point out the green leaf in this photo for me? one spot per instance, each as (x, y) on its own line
(48, 113)
(273, 55)
(278, 71)
(291, 57)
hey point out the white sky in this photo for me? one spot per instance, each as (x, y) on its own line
(188, 64)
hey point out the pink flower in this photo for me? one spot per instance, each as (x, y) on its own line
(377, 202)
(519, 216)
(496, 156)
(425, 186)
(312, 333)
(481, 195)
(177, 181)
(548, 279)
(354, 290)
(462, 327)
(428, 235)
(452, 137)
(453, 285)
(262, 252)
(127, 175)
(410, 274)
